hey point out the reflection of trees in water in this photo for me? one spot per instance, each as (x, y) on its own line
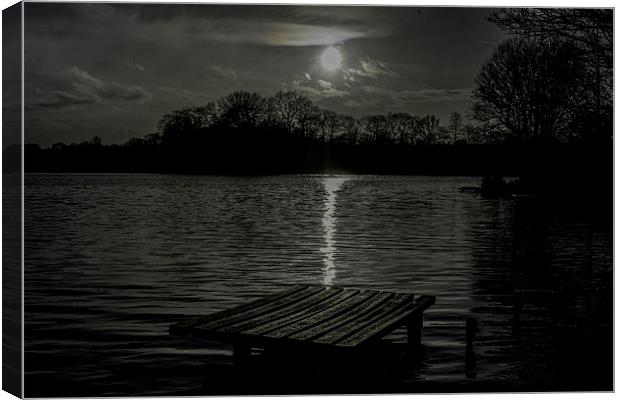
(544, 284)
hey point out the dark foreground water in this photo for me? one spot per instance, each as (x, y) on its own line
(113, 260)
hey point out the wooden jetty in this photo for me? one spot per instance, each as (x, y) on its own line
(312, 317)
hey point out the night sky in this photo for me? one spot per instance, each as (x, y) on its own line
(114, 69)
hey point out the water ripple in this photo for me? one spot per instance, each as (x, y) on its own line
(112, 260)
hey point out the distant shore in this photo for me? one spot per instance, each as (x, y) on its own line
(446, 159)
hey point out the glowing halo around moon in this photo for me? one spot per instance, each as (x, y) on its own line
(331, 59)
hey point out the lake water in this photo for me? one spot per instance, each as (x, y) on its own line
(113, 260)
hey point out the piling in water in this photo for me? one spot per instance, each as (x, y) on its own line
(471, 326)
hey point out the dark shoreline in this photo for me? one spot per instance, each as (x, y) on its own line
(580, 171)
(587, 160)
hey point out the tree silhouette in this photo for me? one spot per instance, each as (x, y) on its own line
(375, 126)
(290, 113)
(328, 124)
(285, 108)
(589, 29)
(430, 130)
(590, 32)
(404, 127)
(207, 115)
(183, 125)
(350, 127)
(454, 125)
(525, 88)
(241, 110)
(308, 118)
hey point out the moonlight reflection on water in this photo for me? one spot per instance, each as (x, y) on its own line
(113, 260)
(332, 185)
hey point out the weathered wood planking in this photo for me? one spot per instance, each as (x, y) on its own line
(386, 322)
(182, 328)
(333, 323)
(325, 316)
(312, 315)
(302, 315)
(345, 330)
(252, 312)
(316, 299)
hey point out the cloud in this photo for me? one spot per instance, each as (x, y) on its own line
(321, 89)
(325, 85)
(63, 121)
(368, 68)
(378, 90)
(274, 33)
(78, 87)
(381, 99)
(68, 98)
(352, 104)
(176, 93)
(223, 72)
(435, 95)
(135, 66)
(328, 89)
(404, 97)
(316, 90)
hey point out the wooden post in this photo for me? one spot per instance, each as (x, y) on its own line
(471, 327)
(414, 331)
(470, 362)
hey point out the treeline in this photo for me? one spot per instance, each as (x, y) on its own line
(551, 80)
(296, 116)
(246, 133)
(545, 92)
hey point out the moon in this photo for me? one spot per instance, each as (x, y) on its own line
(331, 59)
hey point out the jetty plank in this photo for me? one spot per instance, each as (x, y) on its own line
(334, 323)
(310, 315)
(387, 322)
(302, 314)
(344, 330)
(183, 327)
(338, 309)
(256, 311)
(292, 308)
